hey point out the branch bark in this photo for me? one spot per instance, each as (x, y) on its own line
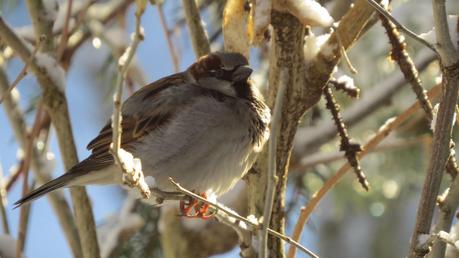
(198, 35)
(286, 54)
(449, 63)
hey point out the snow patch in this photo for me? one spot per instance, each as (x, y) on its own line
(151, 182)
(8, 247)
(261, 19)
(310, 12)
(52, 69)
(315, 44)
(50, 7)
(347, 81)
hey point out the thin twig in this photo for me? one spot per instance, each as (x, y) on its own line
(3, 193)
(167, 35)
(132, 174)
(350, 148)
(23, 71)
(408, 32)
(25, 209)
(382, 133)
(400, 55)
(65, 31)
(14, 175)
(197, 33)
(328, 157)
(218, 207)
(272, 154)
(344, 54)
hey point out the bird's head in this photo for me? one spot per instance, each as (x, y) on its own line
(225, 72)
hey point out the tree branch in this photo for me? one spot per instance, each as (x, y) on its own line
(272, 177)
(197, 33)
(131, 167)
(449, 63)
(3, 193)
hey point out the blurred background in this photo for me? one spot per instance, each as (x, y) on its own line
(348, 223)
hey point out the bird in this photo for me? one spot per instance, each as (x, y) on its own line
(202, 127)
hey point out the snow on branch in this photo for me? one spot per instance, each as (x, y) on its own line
(131, 167)
(308, 12)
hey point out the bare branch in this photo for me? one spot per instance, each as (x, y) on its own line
(3, 193)
(65, 31)
(197, 33)
(130, 166)
(167, 35)
(399, 26)
(23, 71)
(449, 62)
(272, 151)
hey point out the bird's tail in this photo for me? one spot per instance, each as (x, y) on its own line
(52, 185)
(92, 170)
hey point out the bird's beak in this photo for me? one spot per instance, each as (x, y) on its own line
(242, 73)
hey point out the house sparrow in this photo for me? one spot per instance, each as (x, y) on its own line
(202, 127)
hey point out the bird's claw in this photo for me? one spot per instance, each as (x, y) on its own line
(200, 209)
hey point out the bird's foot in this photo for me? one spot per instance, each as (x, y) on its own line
(200, 209)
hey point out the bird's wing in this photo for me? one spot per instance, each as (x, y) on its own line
(144, 111)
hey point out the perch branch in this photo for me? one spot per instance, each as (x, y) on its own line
(130, 166)
(220, 208)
